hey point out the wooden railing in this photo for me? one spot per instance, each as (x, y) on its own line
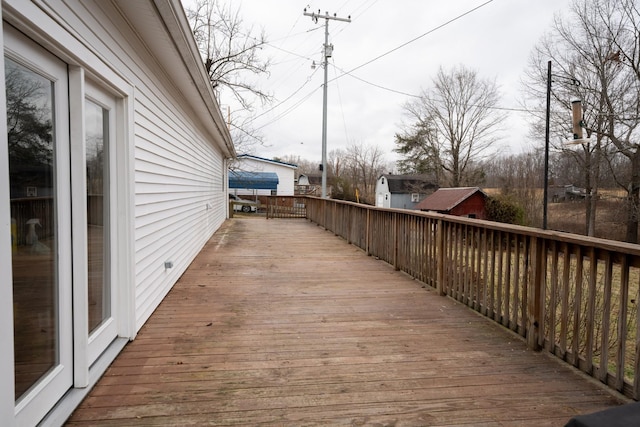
(573, 296)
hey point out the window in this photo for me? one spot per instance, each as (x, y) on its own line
(415, 197)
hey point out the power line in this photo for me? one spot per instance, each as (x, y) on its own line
(344, 120)
(416, 38)
(288, 110)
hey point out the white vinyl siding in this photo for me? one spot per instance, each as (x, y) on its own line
(177, 176)
(286, 174)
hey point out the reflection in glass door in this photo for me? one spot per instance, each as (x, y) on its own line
(97, 166)
(33, 223)
(99, 125)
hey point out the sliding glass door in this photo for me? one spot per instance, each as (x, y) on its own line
(61, 130)
(38, 145)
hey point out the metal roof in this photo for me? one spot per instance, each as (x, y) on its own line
(405, 184)
(445, 199)
(253, 180)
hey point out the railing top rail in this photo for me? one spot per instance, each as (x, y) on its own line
(559, 236)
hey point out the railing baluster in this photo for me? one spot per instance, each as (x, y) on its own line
(490, 311)
(516, 287)
(498, 308)
(622, 323)
(606, 319)
(636, 362)
(507, 291)
(441, 258)
(553, 298)
(591, 310)
(534, 296)
(577, 306)
(564, 323)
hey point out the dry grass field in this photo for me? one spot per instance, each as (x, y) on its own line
(610, 216)
(569, 216)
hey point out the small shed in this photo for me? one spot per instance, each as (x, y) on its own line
(460, 201)
(403, 191)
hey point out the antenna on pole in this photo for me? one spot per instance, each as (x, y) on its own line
(326, 54)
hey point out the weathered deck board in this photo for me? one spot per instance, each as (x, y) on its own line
(279, 322)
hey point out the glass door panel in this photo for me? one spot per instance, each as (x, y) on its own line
(97, 166)
(33, 219)
(99, 124)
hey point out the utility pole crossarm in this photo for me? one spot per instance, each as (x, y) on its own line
(316, 15)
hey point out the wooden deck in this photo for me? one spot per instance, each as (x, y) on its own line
(279, 322)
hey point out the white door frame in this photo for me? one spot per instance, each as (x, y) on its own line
(88, 347)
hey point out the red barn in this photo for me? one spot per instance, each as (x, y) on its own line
(461, 201)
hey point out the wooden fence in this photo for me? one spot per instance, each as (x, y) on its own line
(573, 296)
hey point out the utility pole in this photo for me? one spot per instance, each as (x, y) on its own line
(326, 54)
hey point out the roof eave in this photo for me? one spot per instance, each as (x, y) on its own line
(175, 20)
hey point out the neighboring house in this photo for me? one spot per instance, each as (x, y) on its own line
(402, 191)
(311, 185)
(115, 181)
(284, 171)
(460, 201)
(562, 193)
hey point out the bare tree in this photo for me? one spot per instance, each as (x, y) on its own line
(305, 166)
(231, 54)
(597, 46)
(356, 169)
(366, 163)
(453, 124)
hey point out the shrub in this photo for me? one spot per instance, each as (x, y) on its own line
(504, 209)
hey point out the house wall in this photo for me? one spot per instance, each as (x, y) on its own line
(286, 175)
(178, 170)
(397, 200)
(474, 205)
(383, 196)
(402, 201)
(171, 171)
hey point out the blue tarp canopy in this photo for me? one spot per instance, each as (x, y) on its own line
(253, 180)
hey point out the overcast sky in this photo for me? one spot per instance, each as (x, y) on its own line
(495, 40)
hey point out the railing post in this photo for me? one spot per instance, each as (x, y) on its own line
(440, 259)
(534, 304)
